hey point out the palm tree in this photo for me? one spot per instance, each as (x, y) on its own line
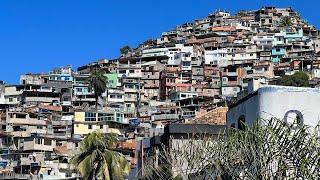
(98, 83)
(98, 161)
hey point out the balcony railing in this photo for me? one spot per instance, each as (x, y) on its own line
(165, 117)
(129, 66)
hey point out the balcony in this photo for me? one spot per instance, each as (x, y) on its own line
(66, 103)
(130, 99)
(265, 54)
(114, 100)
(84, 99)
(229, 74)
(130, 90)
(129, 66)
(24, 121)
(62, 123)
(151, 85)
(82, 93)
(150, 76)
(31, 145)
(12, 175)
(232, 83)
(173, 69)
(186, 68)
(134, 75)
(19, 134)
(164, 117)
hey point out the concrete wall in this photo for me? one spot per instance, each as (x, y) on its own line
(278, 102)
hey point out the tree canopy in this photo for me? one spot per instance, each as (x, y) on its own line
(97, 160)
(298, 79)
(286, 21)
(125, 50)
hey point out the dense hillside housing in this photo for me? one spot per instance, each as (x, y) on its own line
(190, 74)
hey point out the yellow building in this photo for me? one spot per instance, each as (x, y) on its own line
(88, 122)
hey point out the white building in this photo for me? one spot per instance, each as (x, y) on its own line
(282, 102)
(216, 57)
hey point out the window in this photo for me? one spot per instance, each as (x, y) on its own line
(105, 117)
(101, 126)
(21, 116)
(251, 54)
(89, 126)
(38, 141)
(47, 142)
(90, 116)
(10, 99)
(77, 125)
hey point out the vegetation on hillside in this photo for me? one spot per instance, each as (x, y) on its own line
(286, 21)
(125, 50)
(298, 79)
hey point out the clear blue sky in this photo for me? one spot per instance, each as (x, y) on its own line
(38, 35)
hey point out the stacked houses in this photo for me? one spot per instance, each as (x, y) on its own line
(190, 74)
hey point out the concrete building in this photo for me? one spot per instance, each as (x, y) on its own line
(285, 103)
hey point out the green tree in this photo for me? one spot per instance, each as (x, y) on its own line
(298, 79)
(98, 161)
(98, 83)
(125, 50)
(286, 21)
